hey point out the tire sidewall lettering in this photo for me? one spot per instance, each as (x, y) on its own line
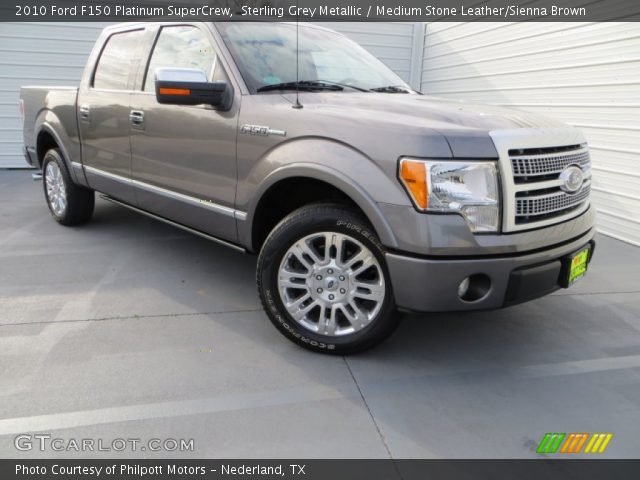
(274, 310)
(361, 231)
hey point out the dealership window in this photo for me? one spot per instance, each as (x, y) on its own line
(116, 60)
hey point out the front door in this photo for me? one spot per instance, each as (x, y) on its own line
(184, 157)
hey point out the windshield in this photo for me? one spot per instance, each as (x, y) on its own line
(266, 55)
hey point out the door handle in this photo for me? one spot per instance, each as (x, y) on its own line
(85, 112)
(136, 117)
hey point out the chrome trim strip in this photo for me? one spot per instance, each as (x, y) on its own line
(221, 209)
(111, 176)
(184, 198)
(183, 227)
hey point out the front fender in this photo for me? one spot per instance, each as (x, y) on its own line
(339, 165)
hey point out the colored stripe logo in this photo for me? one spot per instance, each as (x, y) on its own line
(574, 443)
(598, 443)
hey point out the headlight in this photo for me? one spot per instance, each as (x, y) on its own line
(467, 188)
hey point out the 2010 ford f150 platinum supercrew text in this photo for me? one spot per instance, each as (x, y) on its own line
(362, 196)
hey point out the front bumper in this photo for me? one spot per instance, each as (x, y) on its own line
(431, 284)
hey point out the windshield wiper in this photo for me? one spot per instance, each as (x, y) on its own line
(391, 89)
(302, 85)
(360, 89)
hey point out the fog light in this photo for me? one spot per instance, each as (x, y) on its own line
(463, 288)
(474, 288)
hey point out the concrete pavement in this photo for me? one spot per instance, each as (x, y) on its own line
(129, 328)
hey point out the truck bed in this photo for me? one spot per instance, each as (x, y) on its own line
(55, 106)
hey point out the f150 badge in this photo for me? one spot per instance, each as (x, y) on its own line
(261, 130)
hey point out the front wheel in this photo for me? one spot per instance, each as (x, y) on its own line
(324, 283)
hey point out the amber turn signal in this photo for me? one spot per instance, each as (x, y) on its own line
(414, 177)
(185, 92)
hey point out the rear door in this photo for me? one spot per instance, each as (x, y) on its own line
(184, 157)
(103, 114)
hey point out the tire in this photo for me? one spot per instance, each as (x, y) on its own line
(70, 204)
(337, 300)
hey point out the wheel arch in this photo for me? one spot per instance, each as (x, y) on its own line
(45, 141)
(50, 133)
(294, 186)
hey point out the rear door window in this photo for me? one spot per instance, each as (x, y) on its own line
(117, 60)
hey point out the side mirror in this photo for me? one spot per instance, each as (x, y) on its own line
(189, 86)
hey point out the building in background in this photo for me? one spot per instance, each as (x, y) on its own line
(587, 74)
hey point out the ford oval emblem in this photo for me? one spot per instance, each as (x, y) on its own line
(571, 178)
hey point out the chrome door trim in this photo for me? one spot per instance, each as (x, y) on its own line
(111, 176)
(198, 202)
(184, 198)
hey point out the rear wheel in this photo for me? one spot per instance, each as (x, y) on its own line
(70, 204)
(324, 283)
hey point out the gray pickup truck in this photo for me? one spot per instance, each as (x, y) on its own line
(362, 196)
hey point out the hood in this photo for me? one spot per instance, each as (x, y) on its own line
(465, 126)
(423, 110)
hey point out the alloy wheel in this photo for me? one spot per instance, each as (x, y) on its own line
(56, 191)
(331, 284)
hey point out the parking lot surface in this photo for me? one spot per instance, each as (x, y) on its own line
(130, 328)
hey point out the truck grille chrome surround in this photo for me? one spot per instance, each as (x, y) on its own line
(545, 176)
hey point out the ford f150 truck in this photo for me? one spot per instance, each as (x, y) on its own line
(361, 196)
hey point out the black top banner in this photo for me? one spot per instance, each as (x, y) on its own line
(322, 10)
